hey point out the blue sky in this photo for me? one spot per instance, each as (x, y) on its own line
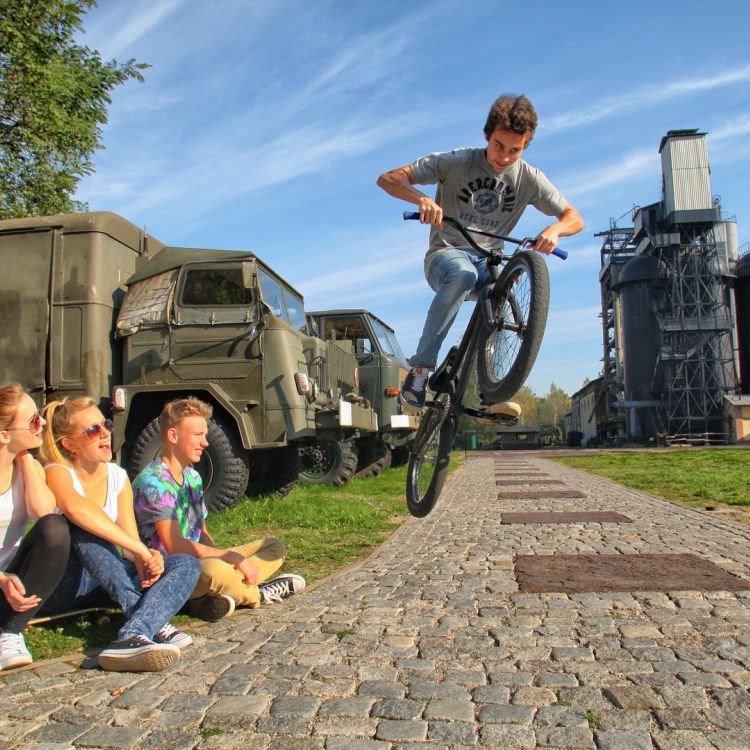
(263, 126)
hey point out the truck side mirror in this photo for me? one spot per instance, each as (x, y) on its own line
(359, 346)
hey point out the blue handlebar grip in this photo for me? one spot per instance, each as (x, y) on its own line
(411, 215)
(560, 253)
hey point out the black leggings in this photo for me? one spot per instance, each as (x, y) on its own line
(40, 563)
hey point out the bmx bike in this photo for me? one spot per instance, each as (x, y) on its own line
(503, 337)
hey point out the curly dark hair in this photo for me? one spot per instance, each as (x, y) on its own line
(512, 112)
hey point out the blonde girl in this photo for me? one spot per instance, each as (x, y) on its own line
(96, 497)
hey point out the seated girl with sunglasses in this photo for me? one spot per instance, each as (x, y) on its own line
(96, 497)
(32, 563)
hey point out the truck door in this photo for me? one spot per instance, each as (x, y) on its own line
(213, 333)
(26, 258)
(351, 333)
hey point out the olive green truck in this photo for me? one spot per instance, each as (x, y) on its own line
(93, 305)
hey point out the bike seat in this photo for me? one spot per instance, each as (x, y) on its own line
(504, 408)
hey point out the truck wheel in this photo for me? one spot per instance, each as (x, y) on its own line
(327, 462)
(399, 456)
(224, 466)
(374, 458)
(273, 471)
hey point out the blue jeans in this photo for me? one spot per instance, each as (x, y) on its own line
(98, 576)
(454, 274)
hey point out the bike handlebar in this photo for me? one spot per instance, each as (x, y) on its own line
(525, 242)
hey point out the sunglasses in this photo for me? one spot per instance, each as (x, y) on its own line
(35, 424)
(93, 431)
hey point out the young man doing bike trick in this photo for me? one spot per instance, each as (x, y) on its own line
(486, 189)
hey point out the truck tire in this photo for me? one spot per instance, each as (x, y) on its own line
(273, 471)
(399, 456)
(328, 462)
(374, 458)
(224, 467)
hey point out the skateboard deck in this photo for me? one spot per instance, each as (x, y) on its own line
(103, 618)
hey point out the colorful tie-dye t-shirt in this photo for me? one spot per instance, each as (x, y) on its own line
(157, 497)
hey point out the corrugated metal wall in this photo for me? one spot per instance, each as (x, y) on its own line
(687, 183)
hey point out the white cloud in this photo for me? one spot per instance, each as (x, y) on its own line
(635, 163)
(641, 97)
(143, 18)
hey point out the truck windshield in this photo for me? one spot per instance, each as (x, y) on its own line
(282, 301)
(387, 339)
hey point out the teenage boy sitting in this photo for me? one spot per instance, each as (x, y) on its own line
(171, 513)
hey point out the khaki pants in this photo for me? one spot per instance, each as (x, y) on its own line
(219, 577)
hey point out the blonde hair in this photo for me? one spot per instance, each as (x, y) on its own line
(59, 416)
(10, 396)
(181, 408)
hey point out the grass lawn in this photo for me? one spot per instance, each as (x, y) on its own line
(324, 528)
(699, 477)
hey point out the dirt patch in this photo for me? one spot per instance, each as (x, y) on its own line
(571, 574)
(565, 517)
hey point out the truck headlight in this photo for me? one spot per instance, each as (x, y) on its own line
(119, 398)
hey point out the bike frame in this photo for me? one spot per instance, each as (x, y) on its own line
(448, 377)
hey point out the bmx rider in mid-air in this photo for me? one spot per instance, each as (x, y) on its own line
(486, 189)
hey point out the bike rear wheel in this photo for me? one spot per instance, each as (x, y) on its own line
(429, 457)
(507, 349)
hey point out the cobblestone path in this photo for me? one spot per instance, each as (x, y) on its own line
(430, 644)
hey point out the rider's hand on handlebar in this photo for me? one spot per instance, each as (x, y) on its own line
(430, 212)
(546, 240)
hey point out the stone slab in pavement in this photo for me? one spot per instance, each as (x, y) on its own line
(440, 649)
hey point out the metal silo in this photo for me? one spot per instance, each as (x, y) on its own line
(742, 300)
(640, 342)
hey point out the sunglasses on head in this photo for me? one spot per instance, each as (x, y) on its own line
(35, 424)
(94, 430)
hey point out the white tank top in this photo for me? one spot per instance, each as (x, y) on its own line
(13, 518)
(116, 478)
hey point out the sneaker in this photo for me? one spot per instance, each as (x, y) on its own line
(280, 588)
(170, 634)
(210, 608)
(414, 389)
(137, 654)
(13, 651)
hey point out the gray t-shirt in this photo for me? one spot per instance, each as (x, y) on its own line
(481, 198)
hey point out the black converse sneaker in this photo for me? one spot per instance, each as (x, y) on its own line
(414, 389)
(137, 654)
(280, 588)
(170, 634)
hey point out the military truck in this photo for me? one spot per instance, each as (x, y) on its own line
(382, 369)
(93, 305)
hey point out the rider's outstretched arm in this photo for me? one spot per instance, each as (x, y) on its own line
(568, 222)
(400, 183)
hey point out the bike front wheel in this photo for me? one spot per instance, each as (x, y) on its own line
(510, 341)
(429, 457)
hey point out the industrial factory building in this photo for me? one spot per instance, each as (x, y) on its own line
(675, 316)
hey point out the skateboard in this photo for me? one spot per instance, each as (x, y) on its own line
(102, 619)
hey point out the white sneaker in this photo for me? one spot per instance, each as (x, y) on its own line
(280, 588)
(13, 651)
(170, 634)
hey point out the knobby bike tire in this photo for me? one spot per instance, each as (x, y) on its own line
(429, 458)
(507, 351)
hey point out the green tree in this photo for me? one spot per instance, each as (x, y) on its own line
(53, 101)
(529, 402)
(552, 409)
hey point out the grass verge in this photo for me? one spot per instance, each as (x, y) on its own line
(698, 477)
(325, 528)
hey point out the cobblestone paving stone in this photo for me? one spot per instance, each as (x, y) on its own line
(429, 644)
